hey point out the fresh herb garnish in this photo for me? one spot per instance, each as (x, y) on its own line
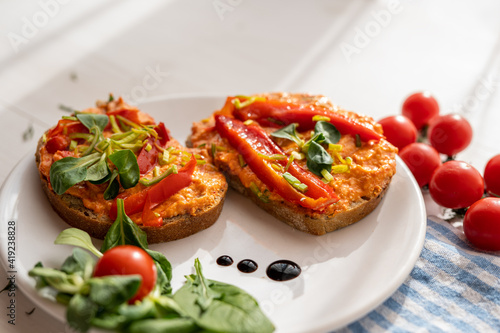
(318, 159)
(95, 124)
(295, 182)
(157, 179)
(262, 196)
(201, 305)
(289, 132)
(113, 186)
(329, 131)
(93, 163)
(98, 171)
(77, 237)
(207, 302)
(69, 171)
(326, 176)
(128, 168)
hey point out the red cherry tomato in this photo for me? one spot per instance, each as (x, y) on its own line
(456, 184)
(399, 130)
(492, 176)
(58, 142)
(422, 160)
(129, 260)
(450, 134)
(482, 224)
(420, 108)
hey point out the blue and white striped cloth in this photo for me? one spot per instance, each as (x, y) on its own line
(452, 288)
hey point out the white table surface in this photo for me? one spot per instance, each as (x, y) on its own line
(367, 56)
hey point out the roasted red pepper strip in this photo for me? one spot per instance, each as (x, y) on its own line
(250, 141)
(157, 193)
(148, 216)
(58, 142)
(147, 160)
(163, 136)
(66, 127)
(277, 113)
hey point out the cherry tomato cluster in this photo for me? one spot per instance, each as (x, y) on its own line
(452, 184)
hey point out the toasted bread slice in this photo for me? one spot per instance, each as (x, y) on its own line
(72, 210)
(304, 219)
(360, 189)
(190, 210)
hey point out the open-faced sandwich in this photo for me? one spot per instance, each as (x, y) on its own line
(307, 162)
(115, 151)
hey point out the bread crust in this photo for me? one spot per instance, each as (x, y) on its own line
(301, 218)
(74, 213)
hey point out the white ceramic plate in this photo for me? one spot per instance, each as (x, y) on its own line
(345, 275)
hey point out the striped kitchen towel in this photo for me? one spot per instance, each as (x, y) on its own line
(452, 288)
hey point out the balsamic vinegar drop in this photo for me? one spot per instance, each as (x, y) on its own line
(283, 270)
(247, 266)
(224, 261)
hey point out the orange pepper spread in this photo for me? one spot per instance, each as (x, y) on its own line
(371, 164)
(203, 191)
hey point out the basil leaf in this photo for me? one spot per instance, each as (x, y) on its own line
(289, 132)
(81, 311)
(318, 159)
(92, 120)
(163, 270)
(330, 132)
(113, 187)
(77, 237)
(69, 171)
(317, 138)
(99, 170)
(174, 325)
(124, 232)
(111, 291)
(209, 302)
(80, 263)
(128, 169)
